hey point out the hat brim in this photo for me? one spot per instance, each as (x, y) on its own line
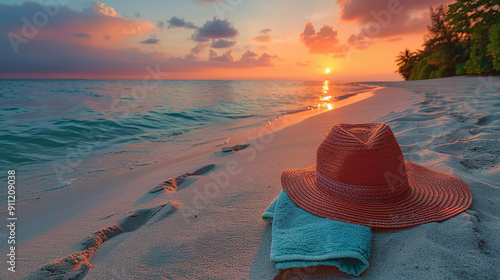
(434, 197)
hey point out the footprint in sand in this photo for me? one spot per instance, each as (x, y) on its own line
(76, 266)
(230, 150)
(172, 184)
(235, 148)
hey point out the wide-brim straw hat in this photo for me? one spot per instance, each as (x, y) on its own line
(361, 177)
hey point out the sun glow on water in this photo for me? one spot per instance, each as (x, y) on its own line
(326, 98)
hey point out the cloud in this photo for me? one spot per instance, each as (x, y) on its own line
(221, 44)
(225, 57)
(94, 42)
(393, 39)
(250, 57)
(359, 41)
(247, 59)
(264, 38)
(83, 35)
(383, 18)
(161, 25)
(176, 22)
(265, 31)
(151, 41)
(304, 64)
(324, 41)
(215, 29)
(98, 25)
(363, 11)
(98, 8)
(198, 48)
(397, 25)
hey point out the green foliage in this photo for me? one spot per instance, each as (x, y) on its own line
(432, 66)
(422, 69)
(479, 61)
(466, 16)
(494, 45)
(426, 72)
(464, 38)
(460, 68)
(440, 32)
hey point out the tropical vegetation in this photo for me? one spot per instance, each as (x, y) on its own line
(463, 39)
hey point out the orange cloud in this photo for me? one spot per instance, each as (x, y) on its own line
(99, 26)
(100, 8)
(304, 64)
(385, 18)
(324, 41)
(89, 44)
(264, 38)
(247, 59)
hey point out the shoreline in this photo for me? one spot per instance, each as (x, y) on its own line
(203, 151)
(91, 157)
(223, 237)
(83, 195)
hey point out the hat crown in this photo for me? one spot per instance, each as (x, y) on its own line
(361, 154)
(361, 177)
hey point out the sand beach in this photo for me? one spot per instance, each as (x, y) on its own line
(210, 227)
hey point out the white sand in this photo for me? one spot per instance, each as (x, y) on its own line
(212, 227)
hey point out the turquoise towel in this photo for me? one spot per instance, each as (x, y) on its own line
(302, 239)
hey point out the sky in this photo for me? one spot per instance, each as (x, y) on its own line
(358, 40)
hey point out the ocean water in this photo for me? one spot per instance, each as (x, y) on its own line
(55, 132)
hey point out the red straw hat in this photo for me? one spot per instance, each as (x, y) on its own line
(361, 177)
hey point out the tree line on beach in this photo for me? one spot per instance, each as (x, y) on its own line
(463, 39)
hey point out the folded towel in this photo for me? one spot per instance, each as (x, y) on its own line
(302, 239)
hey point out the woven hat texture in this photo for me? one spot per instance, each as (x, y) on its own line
(361, 177)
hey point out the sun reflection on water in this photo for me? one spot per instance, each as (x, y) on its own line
(325, 87)
(326, 98)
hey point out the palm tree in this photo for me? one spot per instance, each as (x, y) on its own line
(405, 61)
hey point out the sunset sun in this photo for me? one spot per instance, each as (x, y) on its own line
(327, 70)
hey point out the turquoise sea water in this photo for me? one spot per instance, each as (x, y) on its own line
(54, 132)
